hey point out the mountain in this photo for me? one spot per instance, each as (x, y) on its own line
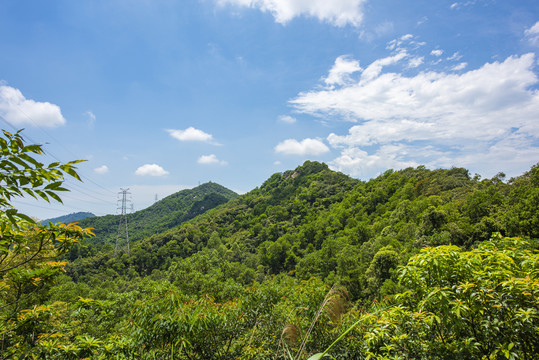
(313, 221)
(163, 215)
(247, 278)
(68, 218)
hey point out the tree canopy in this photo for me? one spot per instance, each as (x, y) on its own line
(416, 263)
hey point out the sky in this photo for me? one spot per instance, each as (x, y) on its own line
(163, 95)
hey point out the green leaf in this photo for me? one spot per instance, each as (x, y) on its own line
(54, 196)
(53, 185)
(42, 195)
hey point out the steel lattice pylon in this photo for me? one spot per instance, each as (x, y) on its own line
(123, 220)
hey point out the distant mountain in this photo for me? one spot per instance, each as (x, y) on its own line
(165, 214)
(68, 218)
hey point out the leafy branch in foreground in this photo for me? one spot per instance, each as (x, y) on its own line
(21, 174)
(27, 250)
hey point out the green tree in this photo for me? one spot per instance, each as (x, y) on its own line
(478, 304)
(28, 251)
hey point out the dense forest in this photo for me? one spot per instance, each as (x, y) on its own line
(162, 215)
(416, 263)
(73, 217)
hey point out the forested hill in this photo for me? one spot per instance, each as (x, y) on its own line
(68, 218)
(312, 221)
(163, 215)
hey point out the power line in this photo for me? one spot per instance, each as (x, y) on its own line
(47, 152)
(47, 208)
(76, 187)
(67, 196)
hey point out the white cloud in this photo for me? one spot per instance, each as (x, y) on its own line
(423, 20)
(335, 12)
(459, 5)
(90, 116)
(287, 119)
(437, 52)
(403, 43)
(432, 118)
(415, 62)
(151, 170)
(357, 162)
(533, 34)
(407, 37)
(19, 111)
(459, 66)
(210, 160)
(373, 70)
(190, 134)
(341, 71)
(455, 57)
(101, 170)
(303, 147)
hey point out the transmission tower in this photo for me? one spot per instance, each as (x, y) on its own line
(123, 220)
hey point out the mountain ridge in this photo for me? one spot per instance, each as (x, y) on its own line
(312, 221)
(73, 217)
(163, 214)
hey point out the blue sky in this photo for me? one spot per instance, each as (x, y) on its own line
(162, 95)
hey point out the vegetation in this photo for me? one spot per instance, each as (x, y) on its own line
(163, 215)
(417, 263)
(68, 218)
(28, 250)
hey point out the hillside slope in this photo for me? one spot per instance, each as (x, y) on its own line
(165, 214)
(312, 221)
(68, 218)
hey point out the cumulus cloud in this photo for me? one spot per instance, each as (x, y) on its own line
(335, 12)
(341, 71)
(101, 170)
(151, 170)
(303, 147)
(190, 134)
(533, 34)
(432, 118)
(210, 160)
(19, 111)
(287, 119)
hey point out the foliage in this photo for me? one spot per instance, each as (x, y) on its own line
(77, 216)
(164, 215)
(263, 275)
(478, 304)
(27, 250)
(312, 221)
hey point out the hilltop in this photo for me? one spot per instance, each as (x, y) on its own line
(163, 215)
(73, 217)
(312, 255)
(312, 221)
